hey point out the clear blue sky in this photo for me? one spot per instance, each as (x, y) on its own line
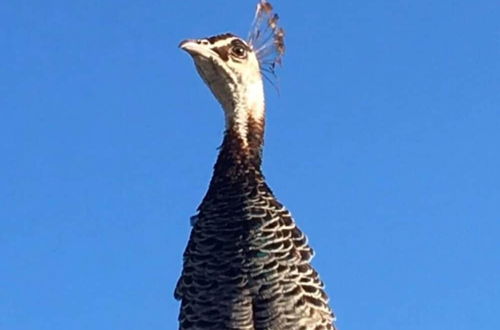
(383, 142)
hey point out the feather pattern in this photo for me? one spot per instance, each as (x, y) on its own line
(247, 264)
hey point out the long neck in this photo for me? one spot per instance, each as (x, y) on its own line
(241, 151)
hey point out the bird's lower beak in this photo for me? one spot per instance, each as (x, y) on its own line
(193, 47)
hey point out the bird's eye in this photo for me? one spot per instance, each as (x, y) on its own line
(239, 51)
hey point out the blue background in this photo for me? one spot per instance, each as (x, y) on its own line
(383, 142)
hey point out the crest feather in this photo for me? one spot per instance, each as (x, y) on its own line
(266, 38)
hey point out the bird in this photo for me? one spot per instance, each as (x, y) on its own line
(246, 265)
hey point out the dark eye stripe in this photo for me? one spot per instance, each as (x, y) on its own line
(223, 52)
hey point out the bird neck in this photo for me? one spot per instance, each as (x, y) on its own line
(241, 148)
(238, 167)
(244, 109)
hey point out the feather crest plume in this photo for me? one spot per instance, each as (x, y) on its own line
(267, 37)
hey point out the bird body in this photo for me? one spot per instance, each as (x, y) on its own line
(247, 265)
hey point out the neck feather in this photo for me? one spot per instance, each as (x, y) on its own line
(244, 134)
(244, 108)
(238, 167)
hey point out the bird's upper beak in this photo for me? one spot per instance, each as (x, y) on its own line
(194, 47)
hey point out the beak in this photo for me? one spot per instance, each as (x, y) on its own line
(194, 48)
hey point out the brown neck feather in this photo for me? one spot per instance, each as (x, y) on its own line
(239, 161)
(241, 153)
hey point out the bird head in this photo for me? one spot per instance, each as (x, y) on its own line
(233, 68)
(230, 68)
